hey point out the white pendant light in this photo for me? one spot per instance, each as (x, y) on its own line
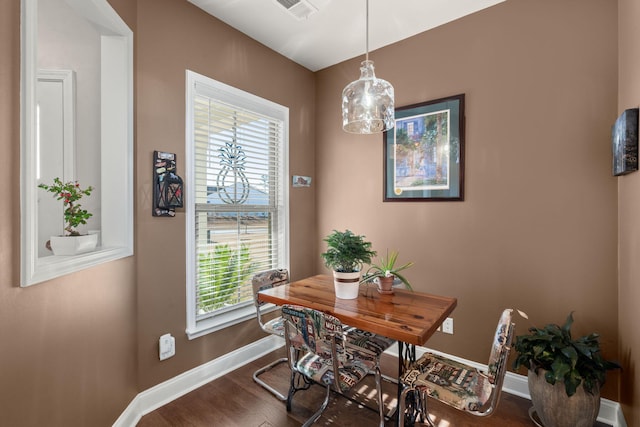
(367, 103)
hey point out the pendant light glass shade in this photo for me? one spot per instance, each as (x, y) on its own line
(367, 103)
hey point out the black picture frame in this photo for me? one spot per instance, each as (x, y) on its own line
(624, 143)
(424, 152)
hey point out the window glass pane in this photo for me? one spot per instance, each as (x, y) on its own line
(237, 245)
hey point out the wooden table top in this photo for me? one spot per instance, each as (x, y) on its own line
(407, 316)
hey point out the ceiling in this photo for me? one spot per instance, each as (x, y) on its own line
(335, 30)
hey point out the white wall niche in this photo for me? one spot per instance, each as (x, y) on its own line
(101, 150)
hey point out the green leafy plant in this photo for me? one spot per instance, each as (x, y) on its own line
(221, 273)
(70, 193)
(572, 361)
(347, 251)
(386, 267)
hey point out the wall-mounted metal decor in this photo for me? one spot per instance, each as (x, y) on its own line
(624, 143)
(424, 152)
(168, 191)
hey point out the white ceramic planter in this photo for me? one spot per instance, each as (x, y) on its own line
(347, 285)
(73, 245)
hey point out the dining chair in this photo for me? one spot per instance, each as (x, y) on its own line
(266, 280)
(322, 352)
(454, 383)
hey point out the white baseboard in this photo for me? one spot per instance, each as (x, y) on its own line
(163, 393)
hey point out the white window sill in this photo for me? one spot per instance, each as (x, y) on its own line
(224, 320)
(54, 266)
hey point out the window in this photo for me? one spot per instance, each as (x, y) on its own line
(236, 200)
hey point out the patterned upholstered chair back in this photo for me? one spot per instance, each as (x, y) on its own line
(268, 279)
(312, 331)
(500, 347)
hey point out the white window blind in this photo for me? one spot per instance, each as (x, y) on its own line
(238, 198)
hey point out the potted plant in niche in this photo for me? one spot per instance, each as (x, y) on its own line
(345, 255)
(385, 271)
(564, 375)
(72, 242)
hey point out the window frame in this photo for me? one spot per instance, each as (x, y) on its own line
(241, 99)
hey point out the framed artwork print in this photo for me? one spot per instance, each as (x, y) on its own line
(624, 143)
(424, 152)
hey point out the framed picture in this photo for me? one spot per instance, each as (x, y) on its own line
(424, 152)
(624, 143)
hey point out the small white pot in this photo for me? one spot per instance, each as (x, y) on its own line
(347, 285)
(73, 245)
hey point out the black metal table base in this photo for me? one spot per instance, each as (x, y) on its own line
(406, 358)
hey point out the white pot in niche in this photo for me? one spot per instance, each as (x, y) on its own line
(73, 245)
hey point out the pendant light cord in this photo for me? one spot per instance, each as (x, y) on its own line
(367, 35)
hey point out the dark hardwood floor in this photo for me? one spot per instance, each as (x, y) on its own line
(235, 400)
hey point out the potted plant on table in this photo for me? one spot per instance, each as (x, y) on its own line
(345, 255)
(72, 241)
(385, 272)
(564, 374)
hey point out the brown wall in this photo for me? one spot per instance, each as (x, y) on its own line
(172, 36)
(538, 228)
(67, 352)
(628, 214)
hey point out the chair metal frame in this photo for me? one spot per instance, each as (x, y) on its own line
(413, 402)
(264, 280)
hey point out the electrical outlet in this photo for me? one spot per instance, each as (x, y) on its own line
(167, 347)
(447, 325)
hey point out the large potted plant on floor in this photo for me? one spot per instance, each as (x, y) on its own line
(71, 242)
(384, 272)
(564, 374)
(345, 255)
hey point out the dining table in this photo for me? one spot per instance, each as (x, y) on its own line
(407, 316)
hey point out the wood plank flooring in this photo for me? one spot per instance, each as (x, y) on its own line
(235, 400)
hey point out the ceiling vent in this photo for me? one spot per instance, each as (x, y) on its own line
(301, 9)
